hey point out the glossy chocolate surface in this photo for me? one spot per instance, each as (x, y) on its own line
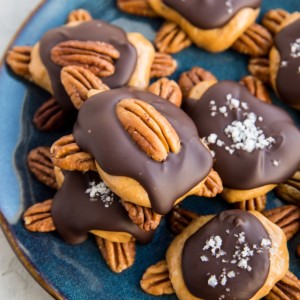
(244, 170)
(98, 131)
(287, 42)
(75, 212)
(210, 14)
(95, 30)
(238, 232)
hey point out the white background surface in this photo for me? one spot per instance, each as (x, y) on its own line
(15, 281)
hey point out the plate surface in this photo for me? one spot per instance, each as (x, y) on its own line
(79, 272)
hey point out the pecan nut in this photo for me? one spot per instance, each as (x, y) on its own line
(189, 79)
(257, 88)
(180, 218)
(98, 57)
(77, 81)
(212, 186)
(37, 218)
(148, 128)
(144, 217)
(156, 281)
(171, 38)
(18, 58)
(288, 288)
(67, 155)
(287, 217)
(49, 116)
(260, 68)
(79, 15)
(255, 41)
(137, 7)
(118, 256)
(258, 204)
(163, 65)
(41, 166)
(167, 89)
(273, 19)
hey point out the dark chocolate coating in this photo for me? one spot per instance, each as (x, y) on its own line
(95, 30)
(209, 14)
(74, 214)
(99, 132)
(243, 170)
(288, 77)
(246, 283)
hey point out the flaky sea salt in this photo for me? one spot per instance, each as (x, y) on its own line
(101, 192)
(212, 281)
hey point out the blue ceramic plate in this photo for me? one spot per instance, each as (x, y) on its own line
(79, 272)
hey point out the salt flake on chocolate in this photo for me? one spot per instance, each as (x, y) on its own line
(101, 192)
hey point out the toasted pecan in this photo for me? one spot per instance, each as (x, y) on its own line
(137, 7)
(260, 68)
(258, 203)
(212, 186)
(273, 19)
(163, 65)
(79, 15)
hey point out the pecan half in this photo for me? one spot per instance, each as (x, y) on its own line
(171, 38)
(144, 217)
(189, 79)
(289, 191)
(288, 288)
(37, 218)
(212, 186)
(167, 89)
(98, 57)
(137, 7)
(180, 218)
(163, 65)
(156, 281)
(79, 15)
(18, 58)
(255, 41)
(41, 166)
(260, 68)
(273, 19)
(258, 203)
(49, 116)
(67, 155)
(148, 128)
(77, 81)
(287, 217)
(257, 88)
(118, 256)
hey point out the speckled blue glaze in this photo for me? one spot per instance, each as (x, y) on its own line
(79, 272)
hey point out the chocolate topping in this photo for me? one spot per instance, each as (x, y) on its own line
(287, 42)
(99, 132)
(89, 31)
(210, 14)
(275, 154)
(77, 209)
(227, 258)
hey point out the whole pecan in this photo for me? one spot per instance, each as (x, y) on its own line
(144, 217)
(137, 7)
(37, 218)
(79, 15)
(77, 81)
(257, 88)
(98, 57)
(255, 41)
(163, 65)
(148, 128)
(118, 256)
(49, 116)
(18, 58)
(273, 19)
(288, 288)
(287, 217)
(156, 281)
(212, 186)
(167, 89)
(260, 68)
(258, 203)
(66, 155)
(41, 166)
(189, 79)
(171, 38)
